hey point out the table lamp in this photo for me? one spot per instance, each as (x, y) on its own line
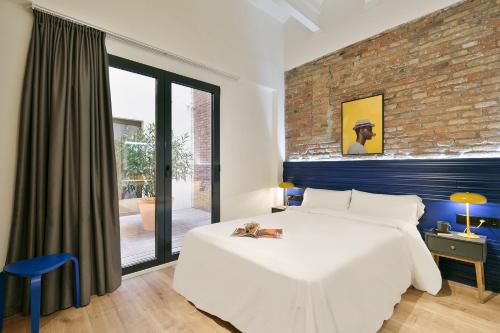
(468, 198)
(286, 186)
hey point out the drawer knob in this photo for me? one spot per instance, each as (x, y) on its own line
(452, 247)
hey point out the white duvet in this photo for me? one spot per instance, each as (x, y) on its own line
(332, 272)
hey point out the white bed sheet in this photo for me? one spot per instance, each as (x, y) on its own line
(331, 272)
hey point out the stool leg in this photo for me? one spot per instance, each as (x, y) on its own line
(35, 293)
(2, 298)
(76, 269)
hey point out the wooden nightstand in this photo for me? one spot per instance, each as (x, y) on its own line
(278, 209)
(459, 248)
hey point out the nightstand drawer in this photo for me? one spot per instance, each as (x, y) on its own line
(457, 248)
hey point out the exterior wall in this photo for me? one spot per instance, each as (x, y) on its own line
(202, 175)
(440, 76)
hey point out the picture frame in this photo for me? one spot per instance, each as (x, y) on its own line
(362, 126)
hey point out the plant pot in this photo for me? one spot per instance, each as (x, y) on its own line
(147, 209)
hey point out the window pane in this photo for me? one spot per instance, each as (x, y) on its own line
(133, 101)
(191, 161)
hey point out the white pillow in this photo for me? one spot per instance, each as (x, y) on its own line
(316, 198)
(401, 207)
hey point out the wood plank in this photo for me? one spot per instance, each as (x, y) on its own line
(480, 280)
(148, 303)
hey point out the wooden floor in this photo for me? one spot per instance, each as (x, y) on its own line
(148, 304)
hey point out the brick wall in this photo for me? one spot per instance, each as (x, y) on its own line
(202, 177)
(440, 76)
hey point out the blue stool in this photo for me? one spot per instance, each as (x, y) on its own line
(34, 268)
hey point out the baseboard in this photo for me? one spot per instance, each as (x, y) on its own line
(149, 270)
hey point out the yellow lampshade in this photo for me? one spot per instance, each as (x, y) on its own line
(286, 185)
(470, 198)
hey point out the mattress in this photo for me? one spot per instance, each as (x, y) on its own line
(331, 272)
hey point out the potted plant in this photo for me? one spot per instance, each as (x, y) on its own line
(137, 148)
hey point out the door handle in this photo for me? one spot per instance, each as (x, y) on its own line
(167, 170)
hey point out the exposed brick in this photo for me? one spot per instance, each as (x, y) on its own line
(485, 104)
(469, 44)
(440, 76)
(202, 178)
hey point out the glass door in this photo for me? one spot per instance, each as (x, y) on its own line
(137, 97)
(166, 137)
(193, 185)
(191, 155)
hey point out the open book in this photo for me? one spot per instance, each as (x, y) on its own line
(253, 230)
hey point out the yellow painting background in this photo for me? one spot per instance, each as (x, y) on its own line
(366, 108)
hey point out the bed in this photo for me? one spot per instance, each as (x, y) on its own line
(333, 271)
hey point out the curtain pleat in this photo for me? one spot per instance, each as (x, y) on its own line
(66, 196)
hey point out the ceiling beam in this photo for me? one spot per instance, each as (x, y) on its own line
(276, 10)
(303, 12)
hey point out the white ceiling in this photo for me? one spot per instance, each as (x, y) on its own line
(304, 11)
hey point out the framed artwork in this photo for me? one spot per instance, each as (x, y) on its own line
(363, 126)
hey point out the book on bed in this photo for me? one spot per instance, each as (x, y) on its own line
(253, 230)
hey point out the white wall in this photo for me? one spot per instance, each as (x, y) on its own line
(231, 35)
(15, 30)
(344, 22)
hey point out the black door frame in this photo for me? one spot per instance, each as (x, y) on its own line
(163, 214)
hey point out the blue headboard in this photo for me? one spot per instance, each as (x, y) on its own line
(433, 180)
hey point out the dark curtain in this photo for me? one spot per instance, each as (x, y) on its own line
(66, 187)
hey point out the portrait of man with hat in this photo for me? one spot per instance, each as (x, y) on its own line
(363, 126)
(364, 131)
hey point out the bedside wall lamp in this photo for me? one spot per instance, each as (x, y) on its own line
(468, 198)
(286, 186)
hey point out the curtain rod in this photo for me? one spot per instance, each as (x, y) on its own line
(138, 43)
